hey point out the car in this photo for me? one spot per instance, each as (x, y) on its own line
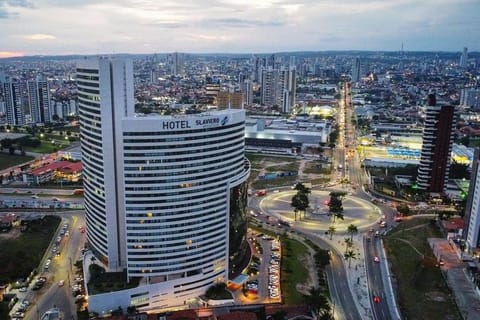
(19, 314)
(376, 259)
(441, 262)
(55, 199)
(376, 299)
(34, 197)
(61, 283)
(383, 224)
(23, 289)
(25, 303)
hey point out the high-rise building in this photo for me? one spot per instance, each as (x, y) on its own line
(226, 99)
(438, 134)
(39, 100)
(247, 88)
(464, 58)
(279, 88)
(165, 196)
(288, 88)
(14, 103)
(270, 87)
(356, 70)
(472, 208)
(470, 97)
(177, 63)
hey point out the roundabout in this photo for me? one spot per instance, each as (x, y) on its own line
(356, 211)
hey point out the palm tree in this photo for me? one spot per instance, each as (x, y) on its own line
(348, 244)
(317, 302)
(352, 229)
(349, 255)
(331, 231)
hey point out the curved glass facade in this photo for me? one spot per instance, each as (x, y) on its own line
(162, 193)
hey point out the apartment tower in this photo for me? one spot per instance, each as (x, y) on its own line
(438, 134)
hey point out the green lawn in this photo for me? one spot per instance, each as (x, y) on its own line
(20, 255)
(7, 160)
(422, 291)
(293, 270)
(48, 147)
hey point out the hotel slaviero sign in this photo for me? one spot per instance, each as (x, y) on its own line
(189, 124)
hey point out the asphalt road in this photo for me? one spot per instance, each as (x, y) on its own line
(376, 279)
(61, 268)
(345, 307)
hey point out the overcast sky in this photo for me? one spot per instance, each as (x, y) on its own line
(32, 27)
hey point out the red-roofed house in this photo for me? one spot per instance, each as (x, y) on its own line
(60, 170)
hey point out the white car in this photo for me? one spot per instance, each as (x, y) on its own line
(23, 289)
(61, 283)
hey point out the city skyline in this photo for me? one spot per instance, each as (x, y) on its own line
(226, 26)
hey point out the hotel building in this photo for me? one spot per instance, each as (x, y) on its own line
(165, 196)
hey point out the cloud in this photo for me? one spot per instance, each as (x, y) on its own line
(7, 5)
(242, 23)
(16, 3)
(10, 54)
(39, 36)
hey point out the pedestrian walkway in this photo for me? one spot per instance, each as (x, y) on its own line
(455, 274)
(357, 275)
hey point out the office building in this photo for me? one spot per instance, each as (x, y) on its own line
(165, 196)
(39, 100)
(472, 208)
(438, 134)
(14, 101)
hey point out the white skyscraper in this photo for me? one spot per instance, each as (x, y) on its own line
(165, 196)
(39, 100)
(288, 88)
(14, 103)
(472, 208)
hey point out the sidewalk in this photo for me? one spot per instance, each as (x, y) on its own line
(357, 275)
(455, 274)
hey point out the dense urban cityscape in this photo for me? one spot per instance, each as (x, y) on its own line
(306, 185)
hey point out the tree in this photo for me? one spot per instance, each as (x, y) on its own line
(348, 244)
(459, 170)
(403, 209)
(300, 200)
(335, 205)
(352, 229)
(349, 255)
(331, 231)
(316, 301)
